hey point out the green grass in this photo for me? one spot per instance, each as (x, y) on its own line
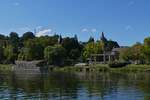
(6, 67)
(132, 68)
(104, 68)
(92, 68)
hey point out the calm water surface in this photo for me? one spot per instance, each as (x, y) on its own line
(77, 86)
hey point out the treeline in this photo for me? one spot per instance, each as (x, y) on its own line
(138, 53)
(55, 50)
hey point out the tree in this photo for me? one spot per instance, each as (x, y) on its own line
(73, 48)
(60, 39)
(1, 54)
(70, 43)
(92, 48)
(4, 40)
(75, 54)
(31, 51)
(9, 54)
(146, 49)
(125, 54)
(91, 39)
(2, 37)
(14, 41)
(28, 35)
(22, 53)
(76, 38)
(75, 41)
(55, 55)
(137, 53)
(133, 53)
(47, 40)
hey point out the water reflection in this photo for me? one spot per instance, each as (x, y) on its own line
(77, 86)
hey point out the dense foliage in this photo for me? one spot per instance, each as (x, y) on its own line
(53, 49)
(92, 48)
(117, 64)
(55, 55)
(60, 51)
(138, 53)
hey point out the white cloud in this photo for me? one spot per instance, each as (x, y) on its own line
(4, 33)
(84, 30)
(44, 32)
(93, 30)
(128, 27)
(89, 30)
(38, 27)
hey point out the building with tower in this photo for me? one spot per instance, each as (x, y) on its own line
(110, 52)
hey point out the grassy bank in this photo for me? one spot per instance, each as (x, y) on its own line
(104, 68)
(6, 67)
(92, 68)
(132, 68)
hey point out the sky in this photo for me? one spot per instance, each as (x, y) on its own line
(125, 21)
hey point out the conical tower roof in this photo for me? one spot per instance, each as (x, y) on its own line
(103, 37)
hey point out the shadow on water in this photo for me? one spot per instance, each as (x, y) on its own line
(80, 86)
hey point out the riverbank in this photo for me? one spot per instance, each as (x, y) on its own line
(103, 68)
(6, 67)
(92, 68)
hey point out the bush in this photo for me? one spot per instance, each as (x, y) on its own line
(55, 55)
(117, 64)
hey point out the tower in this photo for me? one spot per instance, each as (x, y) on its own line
(104, 43)
(103, 39)
(59, 39)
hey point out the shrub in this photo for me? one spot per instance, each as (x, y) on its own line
(117, 64)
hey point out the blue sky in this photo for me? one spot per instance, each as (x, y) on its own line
(126, 21)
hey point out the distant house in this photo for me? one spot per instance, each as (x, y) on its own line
(106, 56)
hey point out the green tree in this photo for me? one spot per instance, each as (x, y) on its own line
(2, 37)
(91, 39)
(92, 48)
(75, 54)
(133, 53)
(146, 50)
(4, 41)
(22, 53)
(55, 55)
(126, 54)
(47, 40)
(137, 54)
(1, 54)
(72, 46)
(60, 39)
(28, 35)
(68, 44)
(14, 41)
(31, 51)
(9, 54)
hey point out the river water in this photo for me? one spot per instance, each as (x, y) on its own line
(75, 86)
